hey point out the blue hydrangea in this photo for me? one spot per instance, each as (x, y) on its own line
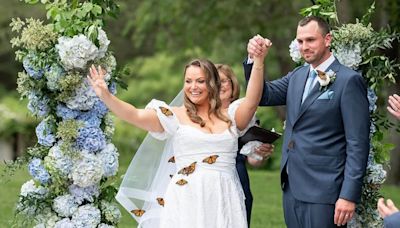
(53, 75)
(66, 113)
(38, 172)
(84, 194)
(110, 212)
(113, 88)
(32, 70)
(65, 205)
(64, 223)
(89, 119)
(91, 139)
(99, 109)
(372, 100)
(84, 97)
(87, 216)
(59, 161)
(45, 134)
(38, 105)
(87, 171)
(109, 157)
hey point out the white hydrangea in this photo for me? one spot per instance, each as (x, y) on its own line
(75, 52)
(294, 51)
(64, 223)
(377, 175)
(47, 217)
(29, 188)
(110, 212)
(84, 97)
(86, 216)
(349, 56)
(109, 158)
(59, 161)
(87, 171)
(65, 205)
(103, 225)
(103, 41)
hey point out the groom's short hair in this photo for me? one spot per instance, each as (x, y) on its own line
(322, 24)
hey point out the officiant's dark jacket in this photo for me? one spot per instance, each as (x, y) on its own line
(326, 139)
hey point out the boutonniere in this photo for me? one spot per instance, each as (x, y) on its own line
(325, 79)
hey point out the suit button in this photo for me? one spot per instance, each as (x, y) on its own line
(291, 144)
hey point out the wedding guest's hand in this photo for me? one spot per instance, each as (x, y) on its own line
(96, 79)
(386, 209)
(344, 211)
(394, 105)
(265, 151)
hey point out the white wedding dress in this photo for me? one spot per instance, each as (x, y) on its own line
(201, 194)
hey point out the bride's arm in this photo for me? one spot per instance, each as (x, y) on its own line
(248, 107)
(145, 119)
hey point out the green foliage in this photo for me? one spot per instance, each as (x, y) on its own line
(68, 130)
(323, 8)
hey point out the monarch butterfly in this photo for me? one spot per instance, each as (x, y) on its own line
(211, 159)
(188, 170)
(138, 212)
(160, 201)
(181, 182)
(171, 175)
(172, 159)
(166, 111)
(321, 75)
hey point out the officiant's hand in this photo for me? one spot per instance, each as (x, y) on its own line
(394, 105)
(344, 211)
(265, 151)
(386, 209)
(96, 80)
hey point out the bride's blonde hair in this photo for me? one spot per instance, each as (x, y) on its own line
(213, 84)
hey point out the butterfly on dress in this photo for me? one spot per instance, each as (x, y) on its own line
(172, 159)
(138, 212)
(171, 175)
(211, 159)
(166, 111)
(188, 169)
(181, 182)
(160, 201)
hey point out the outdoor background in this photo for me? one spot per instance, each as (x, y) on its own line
(152, 40)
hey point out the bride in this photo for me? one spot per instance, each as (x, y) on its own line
(205, 190)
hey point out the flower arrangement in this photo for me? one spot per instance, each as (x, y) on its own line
(74, 156)
(356, 46)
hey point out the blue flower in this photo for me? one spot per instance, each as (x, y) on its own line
(53, 75)
(84, 194)
(38, 172)
(86, 216)
(32, 70)
(44, 133)
(109, 157)
(372, 100)
(99, 109)
(89, 119)
(38, 105)
(113, 88)
(91, 139)
(66, 113)
(58, 160)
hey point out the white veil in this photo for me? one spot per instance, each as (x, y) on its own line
(147, 178)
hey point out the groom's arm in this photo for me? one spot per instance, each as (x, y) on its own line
(274, 92)
(356, 122)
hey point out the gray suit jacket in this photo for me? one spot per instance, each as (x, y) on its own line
(326, 139)
(392, 221)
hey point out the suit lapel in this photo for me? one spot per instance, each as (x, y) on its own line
(299, 90)
(315, 92)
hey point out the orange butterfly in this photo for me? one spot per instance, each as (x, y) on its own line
(321, 74)
(188, 170)
(160, 201)
(211, 159)
(172, 159)
(166, 111)
(181, 182)
(138, 212)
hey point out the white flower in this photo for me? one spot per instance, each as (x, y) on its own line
(86, 216)
(30, 189)
(325, 78)
(87, 171)
(349, 55)
(294, 51)
(103, 225)
(75, 52)
(64, 223)
(56, 159)
(104, 42)
(110, 212)
(377, 175)
(65, 205)
(47, 217)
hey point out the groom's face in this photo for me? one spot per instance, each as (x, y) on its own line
(314, 46)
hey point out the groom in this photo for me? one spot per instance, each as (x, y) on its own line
(326, 140)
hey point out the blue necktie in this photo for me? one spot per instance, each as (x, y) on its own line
(309, 83)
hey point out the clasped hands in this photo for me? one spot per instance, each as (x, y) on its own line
(258, 47)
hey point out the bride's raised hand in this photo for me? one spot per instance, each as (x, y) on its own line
(96, 80)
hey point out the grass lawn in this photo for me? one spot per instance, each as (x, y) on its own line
(267, 209)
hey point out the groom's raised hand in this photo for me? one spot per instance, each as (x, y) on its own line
(344, 211)
(258, 46)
